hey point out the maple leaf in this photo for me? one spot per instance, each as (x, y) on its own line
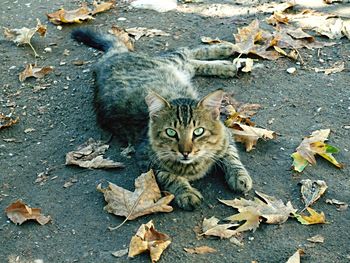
(149, 239)
(210, 227)
(266, 207)
(70, 16)
(123, 36)
(90, 155)
(250, 135)
(101, 7)
(34, 71)
(24, 35)
(18, 212)
(7, 121)
(312, 145)
(146, 198)
(314, 218)
(312, 190)
(200, 250)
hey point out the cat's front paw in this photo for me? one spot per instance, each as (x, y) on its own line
(241, 182)
(189, 199)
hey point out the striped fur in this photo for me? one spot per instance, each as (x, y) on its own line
(185, 134)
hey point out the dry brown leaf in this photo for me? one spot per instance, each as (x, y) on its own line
(312, 219)
(277, 17)
(200, 250)
(32, 70)
(123, 36)
(24, 35)
(90, 155)
(311, 191)
(146, 199)
(295, 258)
(250, 135)
(337, 67)
(70, 16)
(7, 121)
(102, 7)
(18, 212)
(266, 207)
(149, 239)
(210, 227)
(341, 206)
(139, 32)
(316, 239)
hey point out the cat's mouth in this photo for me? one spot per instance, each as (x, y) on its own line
(186, 160)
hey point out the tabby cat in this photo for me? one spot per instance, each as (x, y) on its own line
(185, 133)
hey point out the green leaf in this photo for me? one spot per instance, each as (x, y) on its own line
(331, 149)
(299, 163)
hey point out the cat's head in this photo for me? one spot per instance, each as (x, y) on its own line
(185, 130)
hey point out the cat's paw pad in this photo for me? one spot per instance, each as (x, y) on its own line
(241, 182)
(189, 200)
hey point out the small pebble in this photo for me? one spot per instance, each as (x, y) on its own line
(291, 70)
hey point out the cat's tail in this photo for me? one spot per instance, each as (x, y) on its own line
(103, 42)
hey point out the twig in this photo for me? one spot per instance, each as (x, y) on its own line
(301, 58)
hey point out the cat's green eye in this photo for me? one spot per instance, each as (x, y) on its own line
(198, 131)
(170, 132)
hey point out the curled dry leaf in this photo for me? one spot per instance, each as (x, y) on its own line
(149, 239)
(102, 7)
(146, 199)
(90, 155)
(311, 191)
(273, 210)
(7, 121)
(312, 219)
(138, 32)
(312, 145)
(210, 227)
(250, 135)
(18, 212)
(70, 16)
(32, 70)
(123, 36)
(200, 250)
(295, 258)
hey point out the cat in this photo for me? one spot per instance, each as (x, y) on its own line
(186, 136)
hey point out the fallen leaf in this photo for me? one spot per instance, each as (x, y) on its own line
(149, 239)
(243, 64)
(200, 250)
(337, 67)
(210, 227)
(123, 36)
(102, 7)
(277, 17)
(266, 207)
(312, 145)
(24, 35)
(314, 218)
(341, 206)
(250, 135)
(311, 191)
(139, 32)
(120, 253)
(18, 212)
(32, 70)
(90, 155)
(295, 258)
(316, 239)
(146, 199)
(7, 121)
(79, 15)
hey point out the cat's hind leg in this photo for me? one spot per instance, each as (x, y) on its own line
(186, 196)
(208, 52)
(236, 175)
(219, 68)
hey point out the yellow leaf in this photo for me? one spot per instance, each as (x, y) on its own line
(70, 16)
(314, 218)
(101, 7)
(299, 163)
(149, 239)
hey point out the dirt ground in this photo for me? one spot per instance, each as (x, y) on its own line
(59, 110)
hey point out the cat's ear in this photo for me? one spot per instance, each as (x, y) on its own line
(155, 103)
(213, 102)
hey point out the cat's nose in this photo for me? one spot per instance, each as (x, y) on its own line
(185, 154)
